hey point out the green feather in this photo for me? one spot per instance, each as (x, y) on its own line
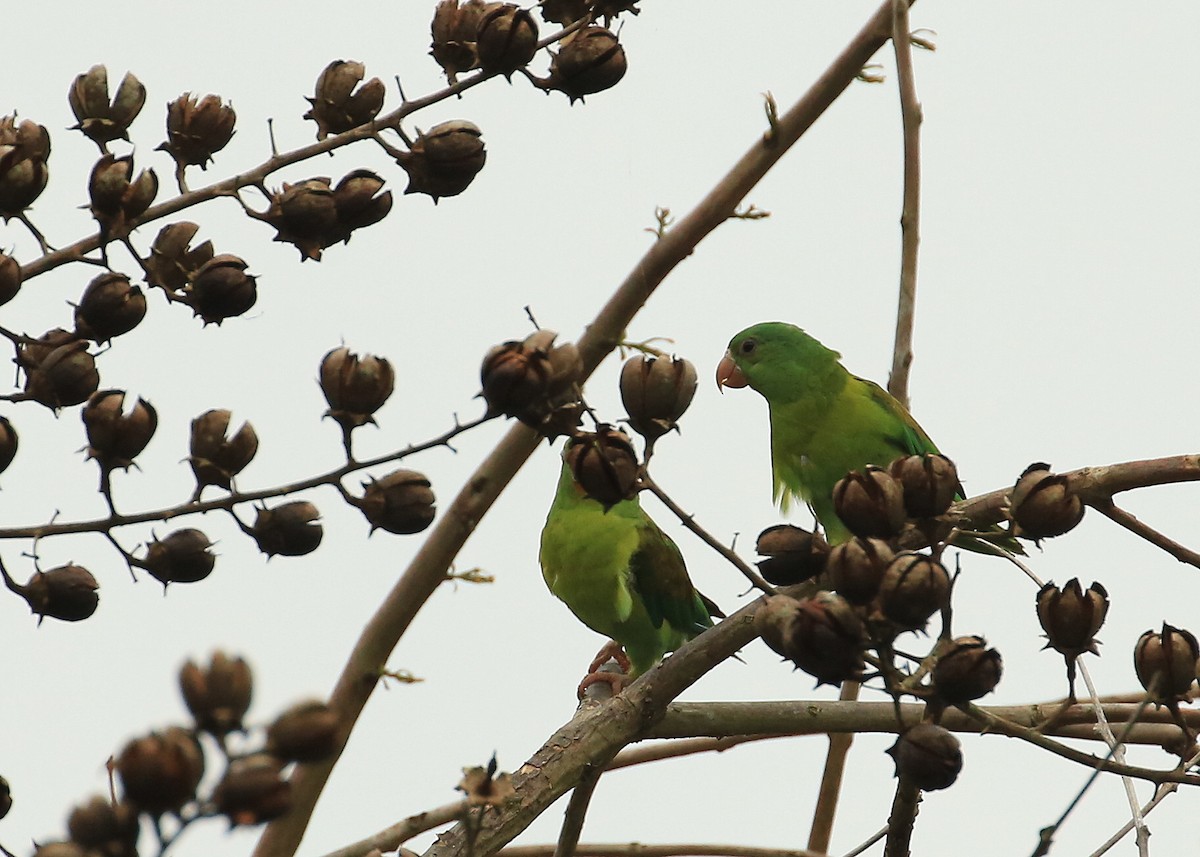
(620, 574)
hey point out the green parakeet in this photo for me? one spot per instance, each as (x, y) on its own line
(824, 421)
(621, 575)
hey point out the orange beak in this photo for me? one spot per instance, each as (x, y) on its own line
(728, 374)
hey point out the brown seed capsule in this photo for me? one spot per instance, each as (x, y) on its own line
(217, 696)
(967, 671)
(336, 107)
(506, 38)
(355, 387)
(927, 755)
(6, 800)
(222, 289)
(197, 129)
(63, 377)
(117, 198)
(604, 464)
(401, 502)
(115, 438)
(1071, 617)
(172, 261)
(31, 354)
(291, 529)
(8, 443)
(306, 732)
(856, 568)
(10, 278)
(1042, 504)
(67, 593)
(453, 30)
(253, 790)
(215, 456)
(870, 503)
(24, 150)
(773, 621)
(792, 554)
(591, 62)
(182, 557)
(444, 160)
(100, 120)
(821, 635)
(105, 828)
(110, 306)
(359, 202)
(563, 12)
(305, 215)
(1166, 662)
(656, 391)
(159, 772)
(914, 587)
(531, 379)
(929, 481)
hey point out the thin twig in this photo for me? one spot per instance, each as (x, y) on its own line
(576, 813)
(640, 849)
(1118, 515)
(1160, 794)
(391, 838)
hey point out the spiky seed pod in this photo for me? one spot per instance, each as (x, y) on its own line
(604, 464)
(110, 306)
(592, 61)
(870, 503)
(305, 215)
(533, 380)
(290, 529)
(967, 671)
(1042, 505)
(306, 732)
(173, 262)
(117, 197)
(506, 38)
(359, 202)
(215, 456)
(355, 387)
(67, 593)
(101, 120)
(160, 772)
(656, 391)
(792, 554)
(218, 696)
(929, 481)
(336, 107)
(927, 755)
(402, 502)
(8, 443)
(115, 438)
(444, 160)
(197, 128)
(253, 791)
(105, 828)
(1166, 662)
(182, 557)
(914, 588)
(1071, 617)
(856, 568)
(31, 354)
(24, 152)
(63, 377)
(10, 278)
(222, 289)
(821, 635)
(454, 30)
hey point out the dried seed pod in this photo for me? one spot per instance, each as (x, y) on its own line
(792, 554)
(927, 755)
(67, 593)
(929, 481)
(222, 289)
(1166, 662)
(24, 151)
(160, 772)
(454, 29)
(115, 438)
(215, 456)
(967, 671)
(856, 568)
(773, 621)
(336, 107)
(100, 120)
(306, 732)
(172, 261)
(197, 128)
(444, 160)
(217, 696)
(253, 790)
(506, 38)
(6, 800)
(305, 215)
(117, 198)
(63, 377)
(110, 306)
(914, 587)
(656, 391)
(1071, 617)
(10, 278)
(821, 635)
(532, 379)
(1042, 504)
(401, 502)
(591, 62)
(359, 202)
(105, 828)
(31, 354)
(290, 529)
(355, 387)
(8, 443)
(604, 464)
(182, 557)
(563, 12)
(870, 503)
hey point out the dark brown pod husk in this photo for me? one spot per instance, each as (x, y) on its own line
(65, 376)
(160, 772)
(506, 38)
(105, 828)
(222, 289)
(290, 529)
(218, 696)
(197, 128)
(534, 380)
(115, 437)
(1166, 662)
(24, 152)
(454, 30)
(215, 456)
(793, 555)
(10, 278)
(445, 159)
(592, 61)
(253, 791)
(1071, 617)
(336, 106)
(914, 588)
(8, 443)
(870, 503)
(401, 502)
(927, 755)
(173, 261)
(856, 568)
(656, 391)
(929, 481)
(966, 671)
(110, 306)
(604, 464)
(118, 199)
(821, 635)
(181, 557)
(67, 593)
(306, 732)
(100, 119)
(355, 387)
(1042, 504)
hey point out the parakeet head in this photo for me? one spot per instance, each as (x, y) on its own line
(774, 358)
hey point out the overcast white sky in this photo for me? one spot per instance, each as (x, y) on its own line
(1057, 315)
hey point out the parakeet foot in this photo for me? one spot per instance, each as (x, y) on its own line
(617, 681)
(612, 651)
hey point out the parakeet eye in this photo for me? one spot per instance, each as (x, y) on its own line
(748, 346)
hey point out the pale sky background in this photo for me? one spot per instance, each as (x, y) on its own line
(1058, 298)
